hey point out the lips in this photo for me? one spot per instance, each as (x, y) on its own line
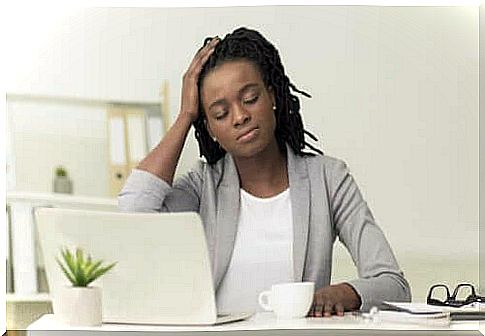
(247, 135)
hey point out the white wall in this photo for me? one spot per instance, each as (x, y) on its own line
(47, 134)
(395, 94)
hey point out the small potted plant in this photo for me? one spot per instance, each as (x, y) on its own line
(80, 304)
(62, 183)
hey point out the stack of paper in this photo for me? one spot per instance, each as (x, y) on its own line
(473, 311)
(403, 313)
(435, 320)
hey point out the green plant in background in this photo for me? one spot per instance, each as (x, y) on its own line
(81, 270)
(61, 171)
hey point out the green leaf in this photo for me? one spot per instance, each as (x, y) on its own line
(100, 272)
(80, 278)
(81, 270)
(89, 261)
(69, 261)
(90, 270)
(80, 256)
(68, 275)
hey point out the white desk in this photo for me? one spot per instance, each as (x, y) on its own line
(262, 324)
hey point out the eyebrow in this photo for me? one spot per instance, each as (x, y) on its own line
(244, 88)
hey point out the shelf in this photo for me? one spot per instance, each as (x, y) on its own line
(58, 199)
(40, 297)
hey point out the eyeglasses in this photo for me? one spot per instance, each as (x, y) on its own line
(454, 299)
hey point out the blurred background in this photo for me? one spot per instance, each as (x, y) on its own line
(394, 94)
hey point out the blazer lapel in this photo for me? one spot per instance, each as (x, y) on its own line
(300, 207)
(227, 218)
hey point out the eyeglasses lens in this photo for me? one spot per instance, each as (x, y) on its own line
(464, 293)
(439, 294)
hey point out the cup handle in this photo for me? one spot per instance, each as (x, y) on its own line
(261, 300)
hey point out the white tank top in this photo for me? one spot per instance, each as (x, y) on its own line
(263, 252)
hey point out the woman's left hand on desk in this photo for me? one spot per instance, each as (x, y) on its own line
(334, 299)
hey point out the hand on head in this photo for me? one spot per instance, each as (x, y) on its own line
(190, 92)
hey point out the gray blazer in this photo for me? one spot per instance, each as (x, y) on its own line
(326, 203)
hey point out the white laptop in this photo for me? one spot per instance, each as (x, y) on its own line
(163, 273)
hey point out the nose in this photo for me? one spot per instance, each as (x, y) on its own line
(240, 115)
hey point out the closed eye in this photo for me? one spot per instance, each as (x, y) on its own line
(221, 116)
(251, 101)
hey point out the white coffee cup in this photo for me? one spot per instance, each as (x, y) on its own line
(288, 300)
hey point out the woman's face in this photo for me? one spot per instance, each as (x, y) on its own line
(239, 108)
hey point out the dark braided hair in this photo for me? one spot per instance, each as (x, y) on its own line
(250, 45)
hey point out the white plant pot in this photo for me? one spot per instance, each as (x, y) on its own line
(62, 184)
(78, 306)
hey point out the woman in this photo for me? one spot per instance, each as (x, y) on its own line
(271, 210)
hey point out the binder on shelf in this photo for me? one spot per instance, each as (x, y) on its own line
(133, 130)
(136, 136)
(118, 164)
